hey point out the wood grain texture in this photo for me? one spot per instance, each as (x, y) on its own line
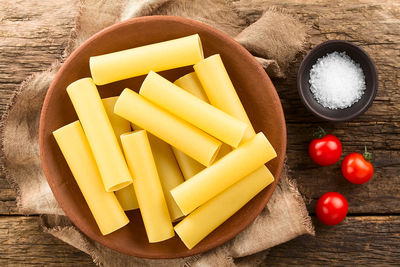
(23, 243)
(34, 33)
(361, 240)
(358, 241)
(375, 27)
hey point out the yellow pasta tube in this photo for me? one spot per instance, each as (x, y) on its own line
(102, 140)
(104, 206)
(167, 127)
(224, 173)
(147, 186)
(119, 124)
(186, 106)
(190, 83)
(138, 61)
(205, 219)
(168, 171)
(126, 196)
(220, 91)
(213, 213)
(189, 166)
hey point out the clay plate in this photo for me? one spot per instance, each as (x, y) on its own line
(250, 80)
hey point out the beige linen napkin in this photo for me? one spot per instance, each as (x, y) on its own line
(274, 39)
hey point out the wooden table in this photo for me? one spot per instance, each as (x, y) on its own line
(31, 39)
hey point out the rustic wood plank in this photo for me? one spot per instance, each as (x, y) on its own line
(33, 34)
(371, 24)
(23, 243)
(358, 241)
(361, 240)
(376, 196)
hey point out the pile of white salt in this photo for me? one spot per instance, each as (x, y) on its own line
(337, 82)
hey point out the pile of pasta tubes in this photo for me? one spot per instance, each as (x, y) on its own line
(184, 153)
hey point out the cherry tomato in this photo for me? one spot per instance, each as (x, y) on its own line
(326, 149)
(356, 167)
(331, 208)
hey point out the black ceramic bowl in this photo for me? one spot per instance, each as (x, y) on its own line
(359, 56)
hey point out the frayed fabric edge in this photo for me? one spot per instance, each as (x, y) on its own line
(59, 231)
(300, 202)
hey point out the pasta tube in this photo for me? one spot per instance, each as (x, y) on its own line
(138, 61)
(220, 91)
(205, 219)
(119, 124)
(189, 166)
(147, 186)
(126, 196)
(190, 83)
(167, 127)
(168, 171)
(212, 214)
(102, 140)
(186, 106)
(224, 173)
(104, 206)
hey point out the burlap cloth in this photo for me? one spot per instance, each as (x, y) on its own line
(274, 39)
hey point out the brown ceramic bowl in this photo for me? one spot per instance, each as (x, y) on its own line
(359, 56)
(253, 86)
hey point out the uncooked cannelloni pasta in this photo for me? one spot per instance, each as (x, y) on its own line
(189, 166)
(167, 127)
(138, 61)
(104, 205)
(168, 171)
(193, 110)
(149, 193)
(100, 134)
(225, 172)
(195, 129)
(205, 219)
(220, 91)
(126, 196)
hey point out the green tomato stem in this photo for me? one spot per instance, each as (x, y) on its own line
(320, 132)
(367, 155)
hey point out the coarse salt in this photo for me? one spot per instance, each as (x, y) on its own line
(337, 82)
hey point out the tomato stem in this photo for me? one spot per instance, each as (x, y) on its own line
(320, 132)
(367, 155)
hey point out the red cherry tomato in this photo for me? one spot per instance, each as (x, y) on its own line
(331, 208)
(356, 167)
(326, 149)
